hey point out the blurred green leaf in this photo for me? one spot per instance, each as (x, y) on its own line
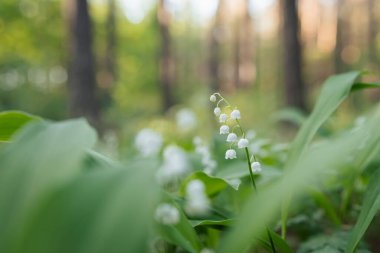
(324, 202)
(280, 243)
(11, 122)
(361, 86)
(335, 89)
(97, 212)
(371, 206)
(42, 158)
(209, 222)
(182, 234)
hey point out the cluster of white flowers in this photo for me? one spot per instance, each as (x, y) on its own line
(174, 166)
(232, 138)
(233, 119)
(207, 161)
(167, 214)
(148, 142)
(197, 202)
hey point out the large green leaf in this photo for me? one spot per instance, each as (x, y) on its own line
(263, 207)
(102, 211)
(42, 158)
(371, 205)
(335, 89)
(181, 234)
(11, 122)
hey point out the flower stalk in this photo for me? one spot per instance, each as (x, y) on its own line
(242, 144)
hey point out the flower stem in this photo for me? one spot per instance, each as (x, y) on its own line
(255, 189)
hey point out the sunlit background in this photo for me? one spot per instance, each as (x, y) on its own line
(233, 46)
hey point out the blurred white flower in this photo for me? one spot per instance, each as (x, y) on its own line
(208, 163)
(243, 143)
(175, 164)
(197, 141)
(256, 167)
(223, 118)
(232, 137)
(148, 142)
(207, 250)
(230, 154)
(186, 119)
(224, 129)
(197, 202)
(213, 98)
(167, 214)
(217, 111)
(235, 114)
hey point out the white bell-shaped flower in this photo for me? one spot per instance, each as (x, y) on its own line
(167, 214)
(230, 154)
(213, 98)
(223, 118)
(243, 143)
(232, 137)
(235, 114)
(217, 111)
(256, 167)
(224, 129)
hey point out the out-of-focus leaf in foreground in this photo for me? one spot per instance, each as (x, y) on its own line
(11, 122)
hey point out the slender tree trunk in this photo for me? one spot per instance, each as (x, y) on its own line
(340, 66)
(166, 64)
(108, 77)
(214, 49)
(294, 85)
(247, 68)
(82, 83)
(372, 32)
(110, 57)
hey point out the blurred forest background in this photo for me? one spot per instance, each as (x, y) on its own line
(121, 63)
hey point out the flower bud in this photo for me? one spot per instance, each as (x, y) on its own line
(213, 98)
(217, 111)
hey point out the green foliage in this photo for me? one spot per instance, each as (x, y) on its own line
(58, 194)
(11, 122)
(371, 205)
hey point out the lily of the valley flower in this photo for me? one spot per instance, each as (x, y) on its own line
(243, 143)
(224, 129)
(232, 137)
(230, 154)
(235, 114)
(256, 167)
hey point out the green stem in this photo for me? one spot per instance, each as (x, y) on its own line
(255, 189)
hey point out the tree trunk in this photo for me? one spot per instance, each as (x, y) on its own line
(110, 64)
(340, 66)
(294, 86)
(108, 76)
(82, 82)
(166, 64)
(214, 48)
(247, 68)
(372, 32)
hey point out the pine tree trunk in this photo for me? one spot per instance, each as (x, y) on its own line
(294, 85)
(82, 83)
(166, 65)
(214, 49)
